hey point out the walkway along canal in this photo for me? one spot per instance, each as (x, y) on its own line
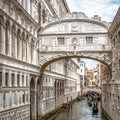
(80, 111)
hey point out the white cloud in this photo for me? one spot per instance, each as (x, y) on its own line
(104, 8)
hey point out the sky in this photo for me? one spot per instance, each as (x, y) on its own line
(106, 9)
(89, 63)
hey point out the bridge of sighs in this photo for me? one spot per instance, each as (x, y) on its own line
(75, 35)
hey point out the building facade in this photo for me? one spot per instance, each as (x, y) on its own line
(96, 75)
(90, 77)
(82, 73)
(20, 81)
(31, 33)
(110, 90)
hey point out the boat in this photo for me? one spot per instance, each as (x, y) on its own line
(95, 110)
(89, 103)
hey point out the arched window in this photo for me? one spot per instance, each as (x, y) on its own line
(13, 41)
(27, 40)
(6, 79)
(7, 38)
(43, 15)
(32, 50)
(18, 43)
(0, 34)
(13, 79)
(23, 46)
(18, 79)
(23, 80)
(119, 36)
(0, 79)
(39, 12)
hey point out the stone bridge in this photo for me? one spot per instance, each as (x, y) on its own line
(75, 35)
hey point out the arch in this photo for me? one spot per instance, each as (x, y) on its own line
(1, 25)
(59, 57)
(32, 99)
(7, 27)
(43, 15)
(13, 39)
(23, 46)
(18, 42)
(27, 42)
(38, 102)
(32, 49)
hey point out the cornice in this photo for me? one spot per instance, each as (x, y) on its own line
(17, 4)
(70, 34)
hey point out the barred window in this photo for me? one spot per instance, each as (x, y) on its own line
(89, 40)
(61, 40)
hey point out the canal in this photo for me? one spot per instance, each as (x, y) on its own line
(80, 111)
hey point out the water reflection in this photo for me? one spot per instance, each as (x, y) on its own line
(80, 111)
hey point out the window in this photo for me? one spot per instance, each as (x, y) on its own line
(114, 42)
(0, 79)
(0, 35)
(22, 80)
(74, 41)
(89, 40)
(18, 43)
(18, 79)
(32, 50)
(119, 36)
(61, 41)
(7, 38)
(13, 78)
(6, 79)
(119, 64)
(13, 41)
(43, 15)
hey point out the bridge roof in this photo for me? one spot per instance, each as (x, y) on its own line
(78, 21)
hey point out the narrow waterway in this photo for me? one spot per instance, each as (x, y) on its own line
(80, 111)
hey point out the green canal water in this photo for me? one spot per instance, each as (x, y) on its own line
(80, 111)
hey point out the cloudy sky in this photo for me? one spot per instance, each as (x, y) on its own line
(90, 63)
(104, 8)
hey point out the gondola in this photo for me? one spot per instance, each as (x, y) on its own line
(89, 103)
(95, 110)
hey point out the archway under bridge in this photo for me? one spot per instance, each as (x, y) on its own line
(75, 35)
(104, 58)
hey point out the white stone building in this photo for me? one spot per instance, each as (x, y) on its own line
(23, 93)
(96, 75)
(83, 73)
